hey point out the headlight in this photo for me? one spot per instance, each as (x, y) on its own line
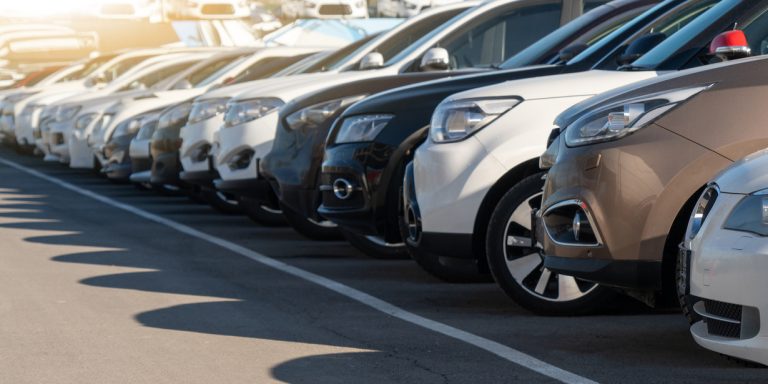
(622, 118)
(456, 120)
(207, 109)
(84, 121)
(67, 113)
(49, 112)
(129, 126)
(175, 116)
(148, 127)
(358, 129)
(317, 114)
(750, 215)
(247, 110)
(701, 210)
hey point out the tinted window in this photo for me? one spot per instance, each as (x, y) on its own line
(493, 41)
(707, 13)
(592, 4)
(154, 77)
(211, 67)
(89, 68)
(264, 68)
(336, 57)
(587, 28)
(121, 67)
(398, 42)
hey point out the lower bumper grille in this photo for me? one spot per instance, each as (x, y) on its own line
(722, 319)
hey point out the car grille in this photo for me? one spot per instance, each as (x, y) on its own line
(335, 9)
(218, 9)
(722, 319)
(117, 9)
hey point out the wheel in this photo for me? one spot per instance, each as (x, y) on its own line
(263, 213)
(517, 265)
(222, 202)
(681, 279)
(315, 230)
(375, 248)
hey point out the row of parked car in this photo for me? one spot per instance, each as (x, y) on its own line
(570, 150)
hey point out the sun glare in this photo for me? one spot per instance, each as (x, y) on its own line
(42, 8)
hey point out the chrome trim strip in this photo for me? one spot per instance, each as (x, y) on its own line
(584, 207)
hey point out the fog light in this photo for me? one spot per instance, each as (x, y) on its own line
(342, 189)
(582, 230)
(201, 153)
(242, 160)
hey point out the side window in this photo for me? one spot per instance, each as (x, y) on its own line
(493, 41)
(592, 4)
(153, 78)
(757, 33)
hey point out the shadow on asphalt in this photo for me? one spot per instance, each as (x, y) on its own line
(261, 303)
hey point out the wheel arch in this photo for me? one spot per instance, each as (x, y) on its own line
(491, 199)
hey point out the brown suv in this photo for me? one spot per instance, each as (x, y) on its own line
(626, 167)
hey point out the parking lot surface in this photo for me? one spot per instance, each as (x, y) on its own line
(105, 283)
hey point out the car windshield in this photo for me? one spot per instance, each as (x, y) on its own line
(90, 67)
(396, 44)
(579, 29)
(689, 29)
(338, 56)
(203, 75)
(156, 76)
(212, 74)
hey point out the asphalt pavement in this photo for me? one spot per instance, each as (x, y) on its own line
(105, 283)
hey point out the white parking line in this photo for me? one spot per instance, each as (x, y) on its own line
(491, 346)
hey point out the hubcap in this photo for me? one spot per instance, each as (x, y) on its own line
(526, 265)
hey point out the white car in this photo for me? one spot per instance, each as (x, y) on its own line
(10, 99)
(325, 9)
(476, 179)
(126, 9)
(97, 74)
(56, 133)
(409, 8)
(727, 251)
(210, 9)
(197, 134)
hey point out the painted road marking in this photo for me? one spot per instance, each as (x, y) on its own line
(498, 349)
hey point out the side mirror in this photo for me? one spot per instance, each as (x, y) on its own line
(183, 84)
(372, 60)
(96, 80)
(571, 51)
(436, 59)
(730, 45)
(640, 47)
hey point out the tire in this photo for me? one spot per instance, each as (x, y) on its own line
(322, 231)
(518, 267)
(375, 249)
(222, 202)
(263, 213)
(681, 284)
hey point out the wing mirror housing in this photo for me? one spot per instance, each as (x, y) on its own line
(640, 47)
(436, 59)
(730, 45)
(372, 60)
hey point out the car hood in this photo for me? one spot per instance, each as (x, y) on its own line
(566, 85)
(295, 86)
(745, 176)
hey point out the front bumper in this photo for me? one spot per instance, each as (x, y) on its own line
(727, 272)
(251, 141)
(633, 189)
(450, 248)
(359, 166)
(250, 188)
(118, 165)
(196, 144)
(58, 138)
